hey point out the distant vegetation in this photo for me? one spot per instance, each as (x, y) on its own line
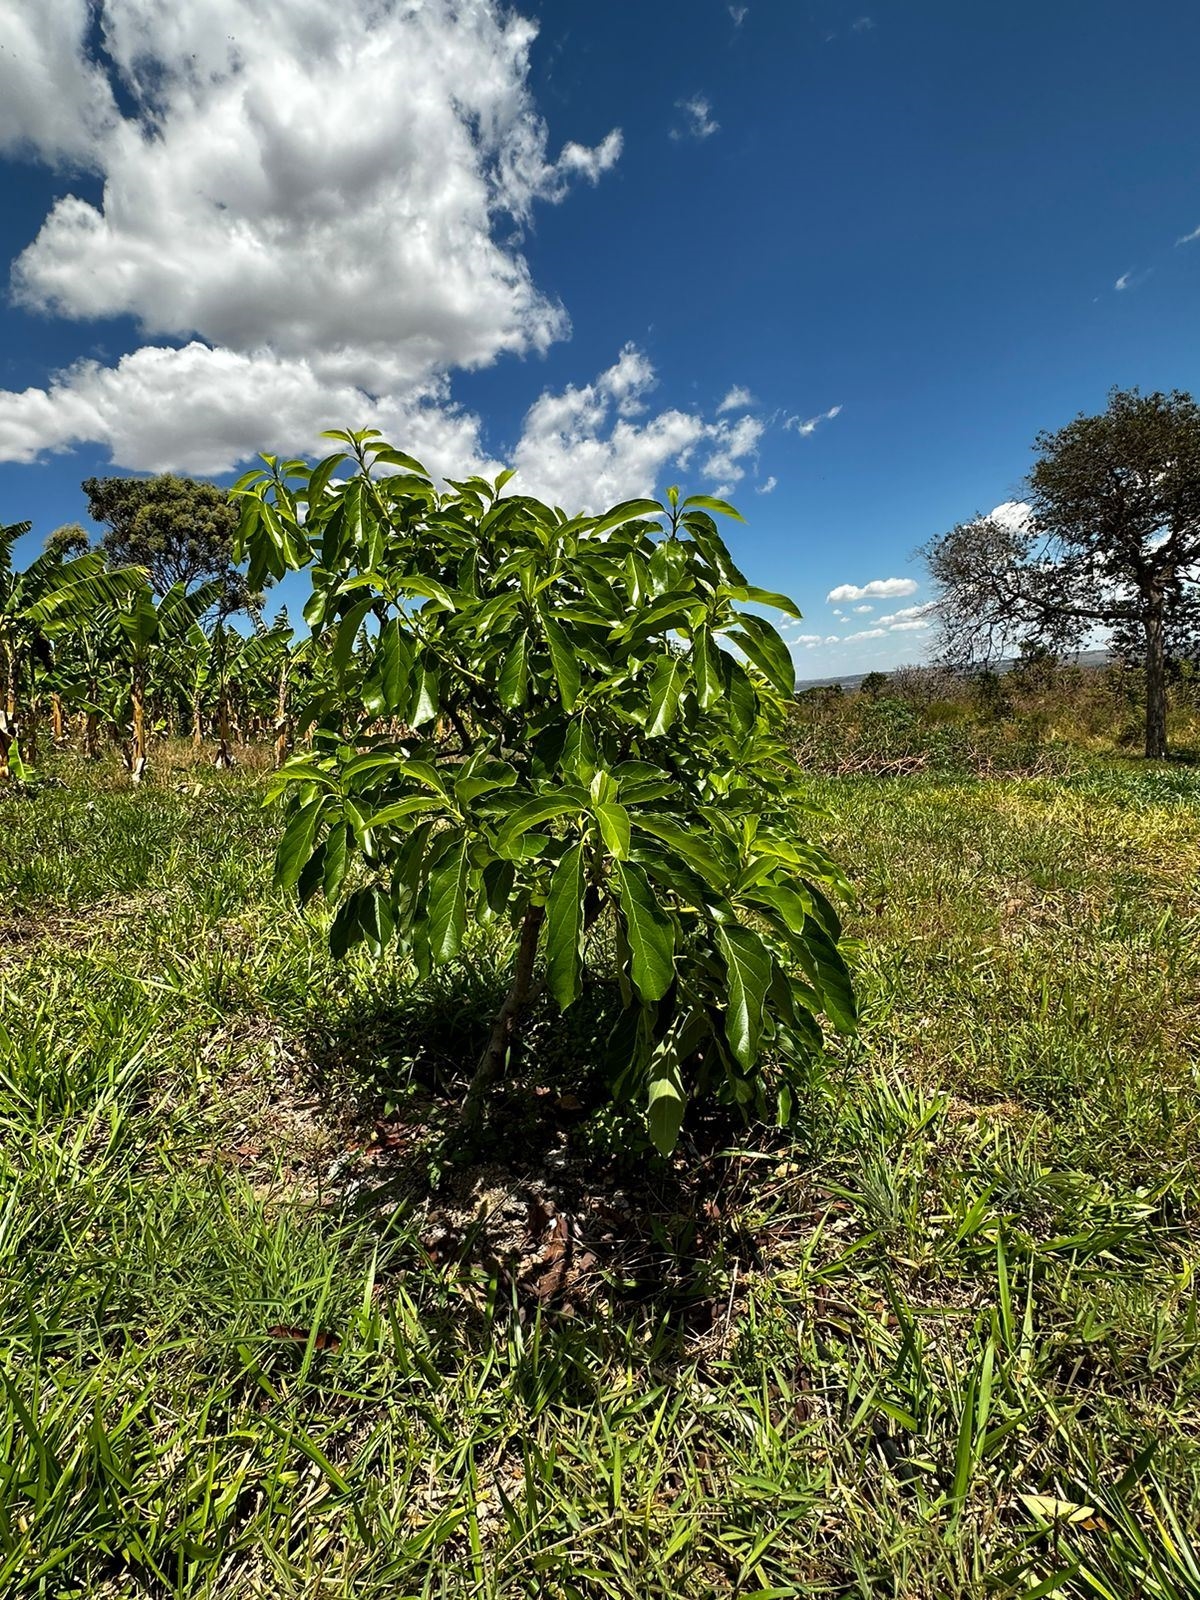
(1044, 714)
(1109, 538)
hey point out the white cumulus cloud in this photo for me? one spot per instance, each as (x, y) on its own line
(906, 615)
(1012, 514)
(737, 399)
(318, 230)
(769, 487)
(877, 589)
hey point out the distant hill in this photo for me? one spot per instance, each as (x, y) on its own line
(1085, 658)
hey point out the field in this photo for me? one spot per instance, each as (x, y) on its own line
(266, 1330)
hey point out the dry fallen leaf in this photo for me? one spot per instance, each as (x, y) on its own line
(1049, 1509)
(320, 1341)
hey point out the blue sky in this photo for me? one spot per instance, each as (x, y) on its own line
(842, 260)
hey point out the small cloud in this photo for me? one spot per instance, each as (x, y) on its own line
(738, 398)
(807, 639)
(591, 162)
(861, 610)
(739, 14)
(877, 589)
(1131, 280)
(769, 487)
(908, 627)
(1188, 237)
(1012, 514)
(863, 24)
(699, 122)
(808, 425)
(906, 616)
(867, 633)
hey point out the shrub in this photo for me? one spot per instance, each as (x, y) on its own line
(525, 718)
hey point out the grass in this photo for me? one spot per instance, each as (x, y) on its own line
(943, 1340)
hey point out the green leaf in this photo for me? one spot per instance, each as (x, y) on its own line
(514, 675)
(743, 702)
(614, 828)
(665, 689)
(396, 458)
(392, 669)
(627, 511)
(347, 929)
(667, 1103)
(766, 597)
(337, 857)
(426, 588)
(318, 480)
(411, 805)
(649, 930)
(706, 503)
(347, 633)
(696, 851)
(296, 845)
(562, 659)
(427, 702)
(748, 965)
(564, 927)
(706, 668)
(499, 877)
(448, 902)
(793, 906)
(482, 777)
(832, 978)
(759, 640)
(534, 812)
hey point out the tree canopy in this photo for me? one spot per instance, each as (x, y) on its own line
(179, 529)
(1110, 540)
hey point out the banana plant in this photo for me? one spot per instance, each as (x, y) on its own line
(146, 637)
(571, 726)
(49, 596)
(244, 667)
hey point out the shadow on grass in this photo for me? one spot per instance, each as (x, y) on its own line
(560, 1205)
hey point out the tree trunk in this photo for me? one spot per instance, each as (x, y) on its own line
(224, 757)
(56, 718)
(137, 754)
(283, 732)
(197, 724)
(10, 683)
(29, 738)
(91, 737)
(1156, 682)
(506, 1027)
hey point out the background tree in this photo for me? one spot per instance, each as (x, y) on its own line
(1112, 541)
(67, 542)
(873, 685)
(180, 530)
